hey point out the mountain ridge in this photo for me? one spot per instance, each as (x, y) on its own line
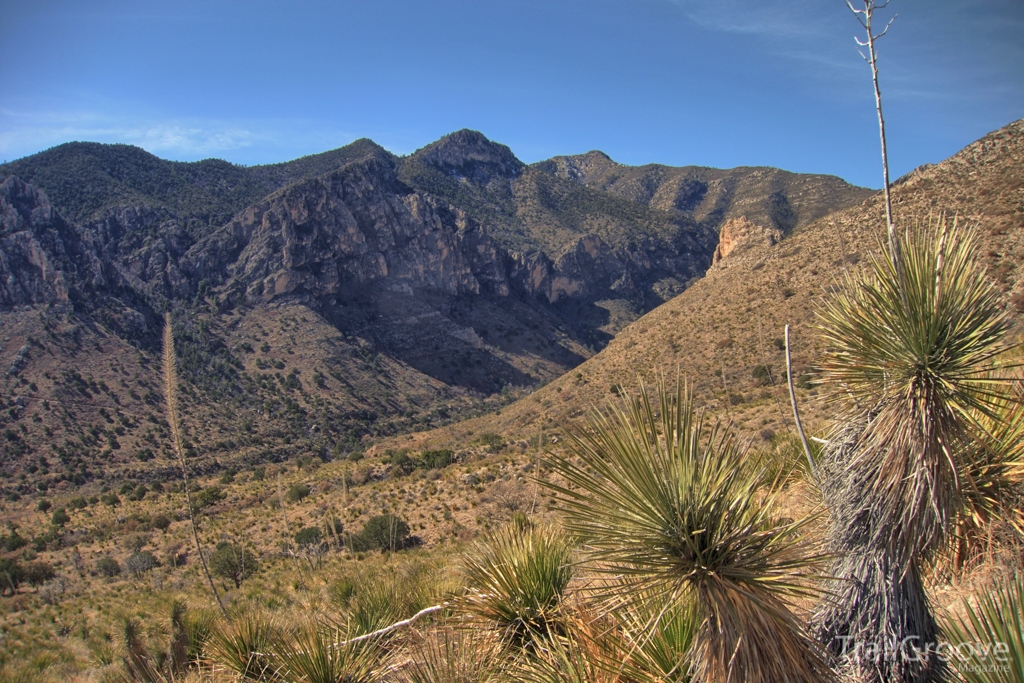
(359, 295)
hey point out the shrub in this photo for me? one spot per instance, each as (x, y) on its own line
(110, 498)
(38, 573)
(43, 505)
(14, 542)
(310, 536)
(383, 532)
(296, 492)
(763, 375)
(141, 562)
(108, 566)
(437, 459)
(209, 496)
(78, 503)
(11, 575)
(234, 562)
(60, 517)
(161, 522)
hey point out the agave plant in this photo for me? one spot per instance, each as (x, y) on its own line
(987, 643)
(679, 511)
(912, 343)
(517, 579)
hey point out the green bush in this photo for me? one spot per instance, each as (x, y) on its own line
(233, 562)
(161, 522)
(43, 505)
(38, 573)
(209, 496)
(13, 542)
(296, 492)
(108, 566)
(60, 517)
(437, 459)
(141, 562)
(11, 575)
(763, 375)
(383, 532)
(310, 536)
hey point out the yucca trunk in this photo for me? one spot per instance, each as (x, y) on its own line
(876, 618)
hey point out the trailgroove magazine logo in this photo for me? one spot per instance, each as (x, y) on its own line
(976, 657)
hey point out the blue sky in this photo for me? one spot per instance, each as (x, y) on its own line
(710, 82)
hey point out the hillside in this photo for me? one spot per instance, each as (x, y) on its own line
(733, 319)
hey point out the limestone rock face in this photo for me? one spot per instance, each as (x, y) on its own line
(37, 248)
(741, 231)
(350, 229)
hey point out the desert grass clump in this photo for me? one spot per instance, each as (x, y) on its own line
(986, 645)
(517, 579)
(680, 512)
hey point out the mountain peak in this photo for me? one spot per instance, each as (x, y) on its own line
(469, 154)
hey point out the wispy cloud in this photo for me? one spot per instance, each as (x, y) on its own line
(25, 132)
(769, 18)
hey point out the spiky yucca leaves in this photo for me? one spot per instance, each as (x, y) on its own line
(658, 639)
(911, 362)
(244, 645)
(322, 653)
(679, 511)
(457, 655)
(992, 478)
(139, 665)
(517, 578)
(988, 641)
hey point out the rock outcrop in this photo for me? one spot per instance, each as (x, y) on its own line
(740, 231)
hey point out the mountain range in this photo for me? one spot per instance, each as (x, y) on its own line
(336, 298)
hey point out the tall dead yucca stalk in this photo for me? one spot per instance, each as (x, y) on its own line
(171, 387)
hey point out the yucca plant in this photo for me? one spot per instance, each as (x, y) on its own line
(324, 653)
(517, 579)
(244, 645)
(457, 655)
(679, 510)
(912, 343)
(382, 598)
(987, 643)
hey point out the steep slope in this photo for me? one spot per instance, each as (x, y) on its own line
(732, 320)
